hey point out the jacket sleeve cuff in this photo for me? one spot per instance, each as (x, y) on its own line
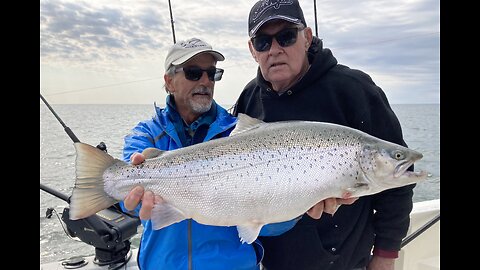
(274, 229)
(385, 253)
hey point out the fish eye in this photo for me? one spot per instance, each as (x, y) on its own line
(398, 155)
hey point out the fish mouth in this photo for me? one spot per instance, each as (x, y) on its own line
(402, 168)
(416, 175)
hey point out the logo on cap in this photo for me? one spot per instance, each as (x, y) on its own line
(192, 43)
(267, 4)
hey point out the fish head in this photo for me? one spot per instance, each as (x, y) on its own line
(384, 165)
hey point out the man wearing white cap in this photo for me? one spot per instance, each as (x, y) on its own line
(191, 116)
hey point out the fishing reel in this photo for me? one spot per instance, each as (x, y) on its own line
(109, 231)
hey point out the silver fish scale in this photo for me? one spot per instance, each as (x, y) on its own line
(232, 180)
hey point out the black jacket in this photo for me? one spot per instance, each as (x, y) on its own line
(330, 92)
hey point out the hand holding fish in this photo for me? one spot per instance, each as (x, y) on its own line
(329, 206)
(138, 194)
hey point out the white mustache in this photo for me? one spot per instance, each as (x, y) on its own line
(203, 90)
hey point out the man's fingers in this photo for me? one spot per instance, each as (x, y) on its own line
(330, 206)
(347, 201)
(133, 198)
(316, 211)
(147, 205)
(137, 158)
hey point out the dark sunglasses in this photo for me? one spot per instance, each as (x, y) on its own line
(286, 37)
(194, 73)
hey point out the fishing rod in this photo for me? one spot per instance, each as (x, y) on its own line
(67, 129)
(315, 12)
(419, 231)
(171, 21)
(109, 230)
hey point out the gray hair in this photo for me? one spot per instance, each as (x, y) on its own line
(170, 72)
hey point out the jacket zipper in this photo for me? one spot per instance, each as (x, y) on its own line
(189, 244)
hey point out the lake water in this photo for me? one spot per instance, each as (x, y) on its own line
(93, 124)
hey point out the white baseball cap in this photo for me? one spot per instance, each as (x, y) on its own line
(183, 50)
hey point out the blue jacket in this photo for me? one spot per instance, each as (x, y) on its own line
(188, 242)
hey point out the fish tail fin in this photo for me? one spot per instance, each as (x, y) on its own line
(88, 195)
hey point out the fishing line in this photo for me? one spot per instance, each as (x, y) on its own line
(48, 215)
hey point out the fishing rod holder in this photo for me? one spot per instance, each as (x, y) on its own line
(109, 231)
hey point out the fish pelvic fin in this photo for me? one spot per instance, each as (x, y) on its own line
(88, 195)
(249, 232)
(165, 214)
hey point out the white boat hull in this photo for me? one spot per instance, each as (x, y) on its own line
(423, 252)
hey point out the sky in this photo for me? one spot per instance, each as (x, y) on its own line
(113, 51)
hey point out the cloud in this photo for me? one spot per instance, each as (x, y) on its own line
(103, 42)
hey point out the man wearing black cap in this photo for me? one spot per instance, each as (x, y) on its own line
(298, 79)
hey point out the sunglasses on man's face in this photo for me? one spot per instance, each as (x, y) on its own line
(194, 73)
(286, 37)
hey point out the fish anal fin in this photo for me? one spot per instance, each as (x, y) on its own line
(249, 232)
(165, 214)
(245, 123)
(152, 152)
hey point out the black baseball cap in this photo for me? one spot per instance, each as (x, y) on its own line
(266, 10)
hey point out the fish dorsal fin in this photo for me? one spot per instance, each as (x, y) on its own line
(245, 123)
(152, 152)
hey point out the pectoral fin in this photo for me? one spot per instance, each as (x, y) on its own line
(352, 191)
(248, 233)
(164, 214)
